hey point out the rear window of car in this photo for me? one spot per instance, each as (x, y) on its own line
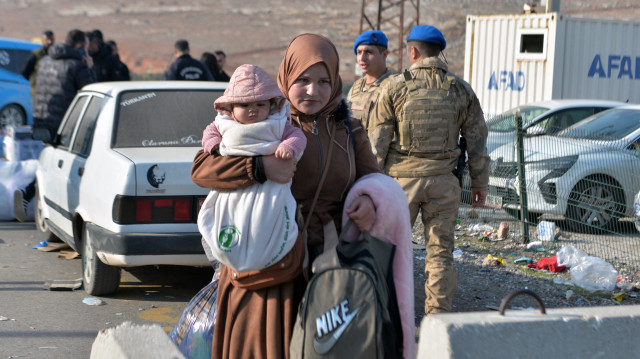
(607, 125)
(163, 118)
(506, 122)
(13, 60)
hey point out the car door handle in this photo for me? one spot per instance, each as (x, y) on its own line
(60, 162)
(80, 171)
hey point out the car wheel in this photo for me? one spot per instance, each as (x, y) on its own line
(41, 224)
(595, 204)
(12, 115)
(97, 277)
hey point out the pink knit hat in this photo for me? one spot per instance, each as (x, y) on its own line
(249, 83)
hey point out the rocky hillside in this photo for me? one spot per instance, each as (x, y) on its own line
(256, 31)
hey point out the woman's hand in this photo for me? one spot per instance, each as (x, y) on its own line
(362, 212)
(278, 170)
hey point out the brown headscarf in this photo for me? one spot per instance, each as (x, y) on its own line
(303, 52)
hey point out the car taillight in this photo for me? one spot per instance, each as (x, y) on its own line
(134, 210)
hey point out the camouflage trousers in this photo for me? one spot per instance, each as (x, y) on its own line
(438, 199)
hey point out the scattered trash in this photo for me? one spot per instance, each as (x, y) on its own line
(525, 260)
(570, 256)
(570, 295)
(63, 284)
(50, 247)
(3, 318)
(41, 244)
(546, 231)
(547, 263)
(561, 281)
(491, 261)
(593, 274)
(587, 272)
(503, 230)
(92, 301)
(619, 296)
(534, 245)
(457, 253)
(68, 254)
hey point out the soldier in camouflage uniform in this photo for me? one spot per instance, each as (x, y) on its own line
(414, 132)
(371, 52)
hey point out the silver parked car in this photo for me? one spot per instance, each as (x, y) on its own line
(587, 174)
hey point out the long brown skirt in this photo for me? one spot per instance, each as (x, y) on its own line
(255, 323)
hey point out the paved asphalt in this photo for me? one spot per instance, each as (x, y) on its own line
(40, 323)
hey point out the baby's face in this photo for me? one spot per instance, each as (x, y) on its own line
(251, 112)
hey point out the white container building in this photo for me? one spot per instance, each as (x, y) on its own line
(512, 60)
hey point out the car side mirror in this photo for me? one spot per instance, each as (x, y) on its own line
(42, 134)
(535, 131)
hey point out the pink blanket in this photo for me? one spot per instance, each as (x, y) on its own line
(392, 226)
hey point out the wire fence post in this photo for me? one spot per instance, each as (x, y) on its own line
(524, 212)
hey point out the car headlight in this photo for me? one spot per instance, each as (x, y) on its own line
(558, 165)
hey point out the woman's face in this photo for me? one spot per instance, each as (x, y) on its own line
(311, 91)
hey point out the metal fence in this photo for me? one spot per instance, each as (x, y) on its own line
(584, 183)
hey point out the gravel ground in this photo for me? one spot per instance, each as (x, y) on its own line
(482, 286)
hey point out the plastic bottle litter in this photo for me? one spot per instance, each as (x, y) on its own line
(546, 231)
(533, 245)
(457, 253)
(92, 301)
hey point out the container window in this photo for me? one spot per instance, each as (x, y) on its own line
(532, 44)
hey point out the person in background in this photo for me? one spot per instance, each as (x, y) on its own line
(121, 71)
(371, 53)
(104, 63)
(186, 67)
(30, 69)
(211, 62)
(64, 71)
(414, 131)
(222, 60)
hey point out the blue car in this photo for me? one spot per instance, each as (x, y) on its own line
(15, 92)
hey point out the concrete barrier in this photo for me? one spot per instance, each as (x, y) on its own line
(593, 332)
(133, 341)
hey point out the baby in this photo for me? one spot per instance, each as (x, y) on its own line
(254, 227)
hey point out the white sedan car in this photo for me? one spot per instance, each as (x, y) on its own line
(588, 173)
(114, 181)
(550, 116)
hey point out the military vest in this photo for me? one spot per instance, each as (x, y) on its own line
(429, 116)
(362, 102)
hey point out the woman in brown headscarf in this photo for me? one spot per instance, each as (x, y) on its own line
(259, 323)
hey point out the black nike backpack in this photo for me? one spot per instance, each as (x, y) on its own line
(351, 311)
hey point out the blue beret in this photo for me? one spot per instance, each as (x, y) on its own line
(427, 33)
(371, 37)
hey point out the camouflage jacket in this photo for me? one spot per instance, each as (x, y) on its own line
(462, 106)
(362, 98)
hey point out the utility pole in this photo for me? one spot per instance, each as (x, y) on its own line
(390, 17)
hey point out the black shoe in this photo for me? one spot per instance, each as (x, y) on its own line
(19, 205)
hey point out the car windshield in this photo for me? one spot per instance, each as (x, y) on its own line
(506, 122)
(163, 118)
(610, 125)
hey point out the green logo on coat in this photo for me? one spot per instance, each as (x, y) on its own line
(228, 237)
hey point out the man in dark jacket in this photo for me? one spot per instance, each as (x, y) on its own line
(105, 63)
(30, 69)
(122, 70)
(186, 67)
(61, 73)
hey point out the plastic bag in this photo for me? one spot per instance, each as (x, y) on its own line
(570, 256)
(593, 274)
(15, 175)
(546, 231)
(193, 334)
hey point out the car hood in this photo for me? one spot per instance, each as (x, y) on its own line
(163, 171)
(546, 147)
